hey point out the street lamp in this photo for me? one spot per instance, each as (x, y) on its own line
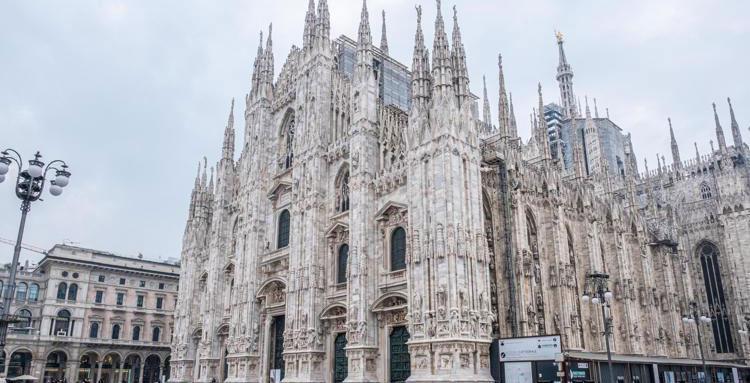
(694, 317)
(29, 187)
(597, 291)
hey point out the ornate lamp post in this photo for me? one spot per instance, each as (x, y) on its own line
(693, 316)
(29, 187)
(597, 292)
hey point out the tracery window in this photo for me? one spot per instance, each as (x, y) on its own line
(283, 233)
(398, 249)
(342, 192)
(705, 191)
(341, 261)
(709, 255)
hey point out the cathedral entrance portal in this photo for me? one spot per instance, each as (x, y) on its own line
(400, 361)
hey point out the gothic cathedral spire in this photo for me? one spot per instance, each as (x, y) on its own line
(542, 133)
(421, 84)
(486, 117)
(308, 39)
(502, 102)
(460, 71)
(227, 149)
(383, 38)
(442, 68)
(719, 132)
(565, 78)
(736, 134)
(675, 149)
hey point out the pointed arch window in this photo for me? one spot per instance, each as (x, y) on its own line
(283, 233)
(705, 191)
(21, 291)
(341, 261)
(398, 249)
(342, 192)
(72, 292)
(62, 289)
(709, 254)
(287, 142)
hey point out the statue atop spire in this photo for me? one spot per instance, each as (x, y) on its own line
(308, 38)
(458, 55)
(736, 133)
(255, 77)
(442, 68)
(719, 132)
(323, 22)
(675, 149)
(364, 38)
(421, 85)
(267, 71)
(565, 79)
(384, 37)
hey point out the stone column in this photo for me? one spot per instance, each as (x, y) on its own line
(98, 371)
(266, 358)
(140, 373)
(119, 375)
(71, 371)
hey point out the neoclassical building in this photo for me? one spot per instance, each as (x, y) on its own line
(93, 315)
(376, 226)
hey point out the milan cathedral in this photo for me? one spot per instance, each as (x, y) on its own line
(378, 226)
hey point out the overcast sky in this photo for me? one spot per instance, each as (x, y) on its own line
(132, 94)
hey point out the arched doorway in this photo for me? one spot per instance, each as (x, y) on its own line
(151, 369)
(54, 369)
(398, 352)
(19, 364)
(110, 369)
(132, 368)
(87, 366)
